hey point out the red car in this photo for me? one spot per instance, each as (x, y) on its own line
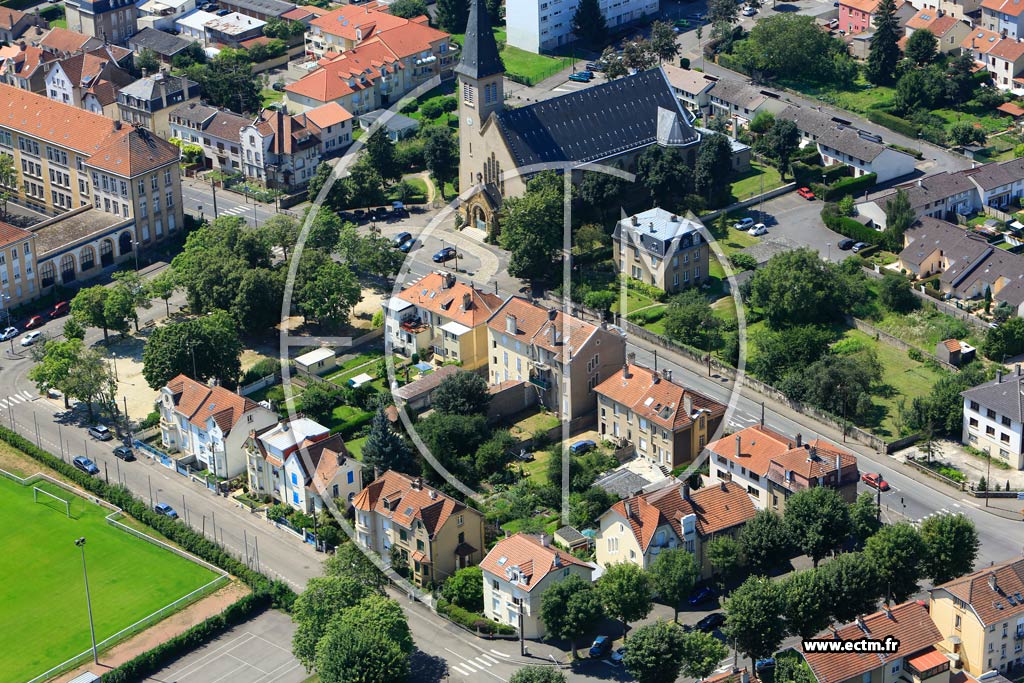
(806, 193)
(61, 308)
(875, 481)
(34, 322)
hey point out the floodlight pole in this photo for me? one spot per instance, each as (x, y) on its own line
(88, 600)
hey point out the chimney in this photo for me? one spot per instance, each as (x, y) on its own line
(686, 489)
(145, 72)
(744, 676)
(117, 125)
(634, 220)
(674, 218)
(655, 378)
(799, 440)
(558, 560)
(631, 358)
(739, 446)
(667, 374)
(552, 314)
(999, 376)
(433, 494)
(1018, 369)
(629, 510)
(553, 333)
(467, 301)
(510, 323)
(862, 625)
(812, 453)
(625, 371)
(687, 404)
(725, 488)
(992, 583)
(920, 183)
(887, 610)
(417, 484)
(284, 425)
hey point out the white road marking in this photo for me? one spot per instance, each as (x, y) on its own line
(490, 659)
(459, 670)
(501, 654)
(15, 399)
(482, 663)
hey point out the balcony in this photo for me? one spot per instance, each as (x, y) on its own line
(542, 382)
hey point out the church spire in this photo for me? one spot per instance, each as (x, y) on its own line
(480, 57)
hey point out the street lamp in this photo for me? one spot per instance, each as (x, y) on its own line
(135, 250)
(829, 247)
(88, 601)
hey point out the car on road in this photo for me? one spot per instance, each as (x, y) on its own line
(618, 655)
(758, 230)
(875, 481)
(702, 594)
(681, 23)
(711, 622)
(581, 447)
(85, 464)
(698, 17)
(601, 647)
(31, 338)
(34, 322)
(860, 246)
(407, 245)
(60, 308)
(744, 223)
(401, 238)
(124, 453)
(165, 510)
(222, 12)
(581, 77)
(846, 244)
(446, 254)
(806, 193)
(101, 433)
(749, 11)
(9, 333)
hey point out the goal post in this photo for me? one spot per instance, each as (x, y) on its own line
(49, 498)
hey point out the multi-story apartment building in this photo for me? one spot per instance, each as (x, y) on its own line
(545, 25)
(1005, 17)
(112, 21)
(13, 24)
(209, 424)
(660, 248)
(565, 358)
(91, 80)
(961, 10)
(161, 14)
(994, 418)
(517, 572)
(282, 150)
(637, 529)
(666, 423)
(25, 67)
(17, 269)
(299, 462)
(771, 467)
(981, 618)
(217, 131)
(149, 101)
(444, 316)
(1002, 57)
(417, 527)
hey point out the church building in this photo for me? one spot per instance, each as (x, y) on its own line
(611, 123)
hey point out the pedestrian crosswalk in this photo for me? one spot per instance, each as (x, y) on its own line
(13, 400)
(471, 667)
(937, 513)
(235, 211)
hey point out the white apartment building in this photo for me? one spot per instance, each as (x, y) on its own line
(543, 25)
(993, 419)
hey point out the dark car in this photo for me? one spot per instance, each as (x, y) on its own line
(401, 238)
(581, 77)
(766, 663)
(277, 86)
(446, 254)
(601, 647)
(86, 465)
(581, 447)
(711, 622)
(223, 12)
(165, 510)
(61, 308)
(860, 246)
(702, 594)
(595, 66)
(845, 244)
(34, 322)
(124, 453)
(407, 245)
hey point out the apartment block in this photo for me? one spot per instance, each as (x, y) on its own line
(544, 25)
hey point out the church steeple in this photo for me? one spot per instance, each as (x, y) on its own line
(480, 57)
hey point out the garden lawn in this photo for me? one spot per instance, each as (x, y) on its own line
(524, 428)
(860, 98)
(530, 67)
(634, 300)
(355, 447)
(419, 195)
(271, 96)
(926, 327)
(537, 470)
(749, 184)
(44, 619)
(735, 240)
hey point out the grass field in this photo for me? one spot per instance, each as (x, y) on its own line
(760, 178)
(44, 618)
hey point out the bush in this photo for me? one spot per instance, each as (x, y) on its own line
(472, 621)
(49, 12)
(409, 155)
(151, 420)
(849, 186)
(647, 315)
(847, 226)
(743, 261)
(262, 368)
(645, 289)
(915, 354)
(893, 123)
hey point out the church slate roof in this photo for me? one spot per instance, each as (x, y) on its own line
(480, 56)
(597, 122)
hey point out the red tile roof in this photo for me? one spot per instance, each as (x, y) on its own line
(402, 499)
(444, 295)
(24, 59)
(980, 40)
(655, 398)
(761, 446)
(9, 18)
(551, 329)
(1015, 111)
(199, 402)
(930, 20)
(954, 344)
(534, 559)
(930, 658)
(411, 39)
(63, 41)
(10, 234)
(356, 22)
(990, 604)
(1011, 7)
(349, 72)
(327, 115)
(134, 151)
(1007, 49)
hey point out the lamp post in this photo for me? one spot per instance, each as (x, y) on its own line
(829, 247)
(88, 600)
(135, 250)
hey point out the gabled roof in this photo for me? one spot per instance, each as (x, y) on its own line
(1011, 7)
(997, 174)
(1004, 394)
(147, 88)
(980, 40)
(134, 151)
(1007, 49)
(327, 115)
(9, 18)
(757, 447)
(425, 385)
(410, 39)
(356, 22)
(198, 403)
(929, 20)
(353, 70)
(852, 143)
(160, 42)
(594, 123)
(657, 398)
(687, 80)
(10, 234)
(480, 57)
(443, 294)
(989, 591)
(534, 558)
(741, 94)
(404, 499)
(290, 133)
(551, 329)
(61, 41)
(23, 60)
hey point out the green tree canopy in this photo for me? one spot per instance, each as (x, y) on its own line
(325, 291)
(465, 588)
(655, 652)
(385, 449)
(570, 608)
(588, 23)
(325, 597)
(227, 81)
(531, 227)
(364, 655)
(897, 554)
(726, 557)
(625, 592)
(951, 546)
(818, 520)
(765, 541)
(379, 614)
(673, 573)
(852, 586)
(701, 654)
(689, 319)
(807, 602)
(864, 519)
(884, 53)
(463, 393)
(408, 9)
(798, 288)
(713, 168)
(665, 175)
(440, 155)
(452, 15)
(537, 674)
(922, 47)
(380, 153)
(201, 348)
(753, 617)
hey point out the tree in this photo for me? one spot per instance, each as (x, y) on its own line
(637, 54)
(570, 608)
(943, 408)
(55, 360)
(73, 329)
(852, 586)
(1000, 342)
(147, 62)
(440, 155)
(454, 440)
(227, 81)
(951, 546)
(463, 393)
(919, 89)
(765, 542)
(364, 185)
(336, 198)
(807, 603)
(193, 53)
(762, 122)
(614, 66)
(896, 553)
(258, 304)
(408, 9)
(364, 655)
(201, 348)
(780, 142)
(884, 53)
(350, 560)
(163, 287)
(585, 507)
(894, 293)
(701, 654)
(818, 520)
(588, 23)
(864, 520)
(752, 618)
(789, 348)
(722, 13)
(625, 593)
(380, 152)
(839, 384)
(368, 253)
(962, 133)
(531, 227)
(281, 231)
(380, 614)
(537, 674)
(319, 399)
(324, 598)
(960, 82)
(119, 309)
(663, 41)
(385, 449)
(672, 575)
(8, 179)
(452, 15)
(664, 173)
(326, 291)
(465, 588)
(88, 307)
(655, 653)
(798, 287)
(713, 167)
(922, 47)
(725, 555)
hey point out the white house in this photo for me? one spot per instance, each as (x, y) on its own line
(217, 131)
(210, 424)
(316, 361)
(543, 25)
(993, 418)
(517, 572)
(161, 14)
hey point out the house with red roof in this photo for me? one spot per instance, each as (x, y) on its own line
(1002, 57)
(25, 67)
(418, 528)
(947, 29)
(13, 23)
(516, 574)
(208, 426)
(91, 80)
(1004, 17)
(858, 16)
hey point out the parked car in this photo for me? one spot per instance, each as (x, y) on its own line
(601, 647)
(845, 244)
(407, 245)
(581, 447)
(748, 11)
(702, 595)
(580, 77)
(85, 464)
(806, 193)
(711, 622)
(60, 308)
(124, 453)
(31, 338)
(860, 246)
(34, 322)
(758, 230)
(766, 663)
(165, 510)
(101, 433)
(9, 333)
(875, 481)
(595, 66)
(446, 254)
(681, 23)
(277, 86)
(401, 238)
(398, 210)
(744, 223)
(618, 655)
(223, 12)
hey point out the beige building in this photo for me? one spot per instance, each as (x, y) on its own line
(18, 282)
(564, 358)
(401, 518)
(981, 618)
(112, 21)
(666, 423)
(635, 530)
(149, 101)
(517, 571)
(443, 316)
(659, 248)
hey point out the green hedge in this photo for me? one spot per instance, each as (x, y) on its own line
(849, 186)
(471, 620)
(647, 315)
(353, 424)
(893, 123)
(849, 227)
(52, 12)
(653, 292)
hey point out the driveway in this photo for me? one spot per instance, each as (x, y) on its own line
(795, 222)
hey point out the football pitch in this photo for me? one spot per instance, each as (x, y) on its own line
(43, 618)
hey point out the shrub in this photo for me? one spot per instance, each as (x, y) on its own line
(849, 186)
(915, 354)
(647, 315)
(262, 368)
(743, 261)
(893, 123)
(278, 512)
(410, 107)
(847, 226)
(645, 289)
(472, 621)
(151, 420)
